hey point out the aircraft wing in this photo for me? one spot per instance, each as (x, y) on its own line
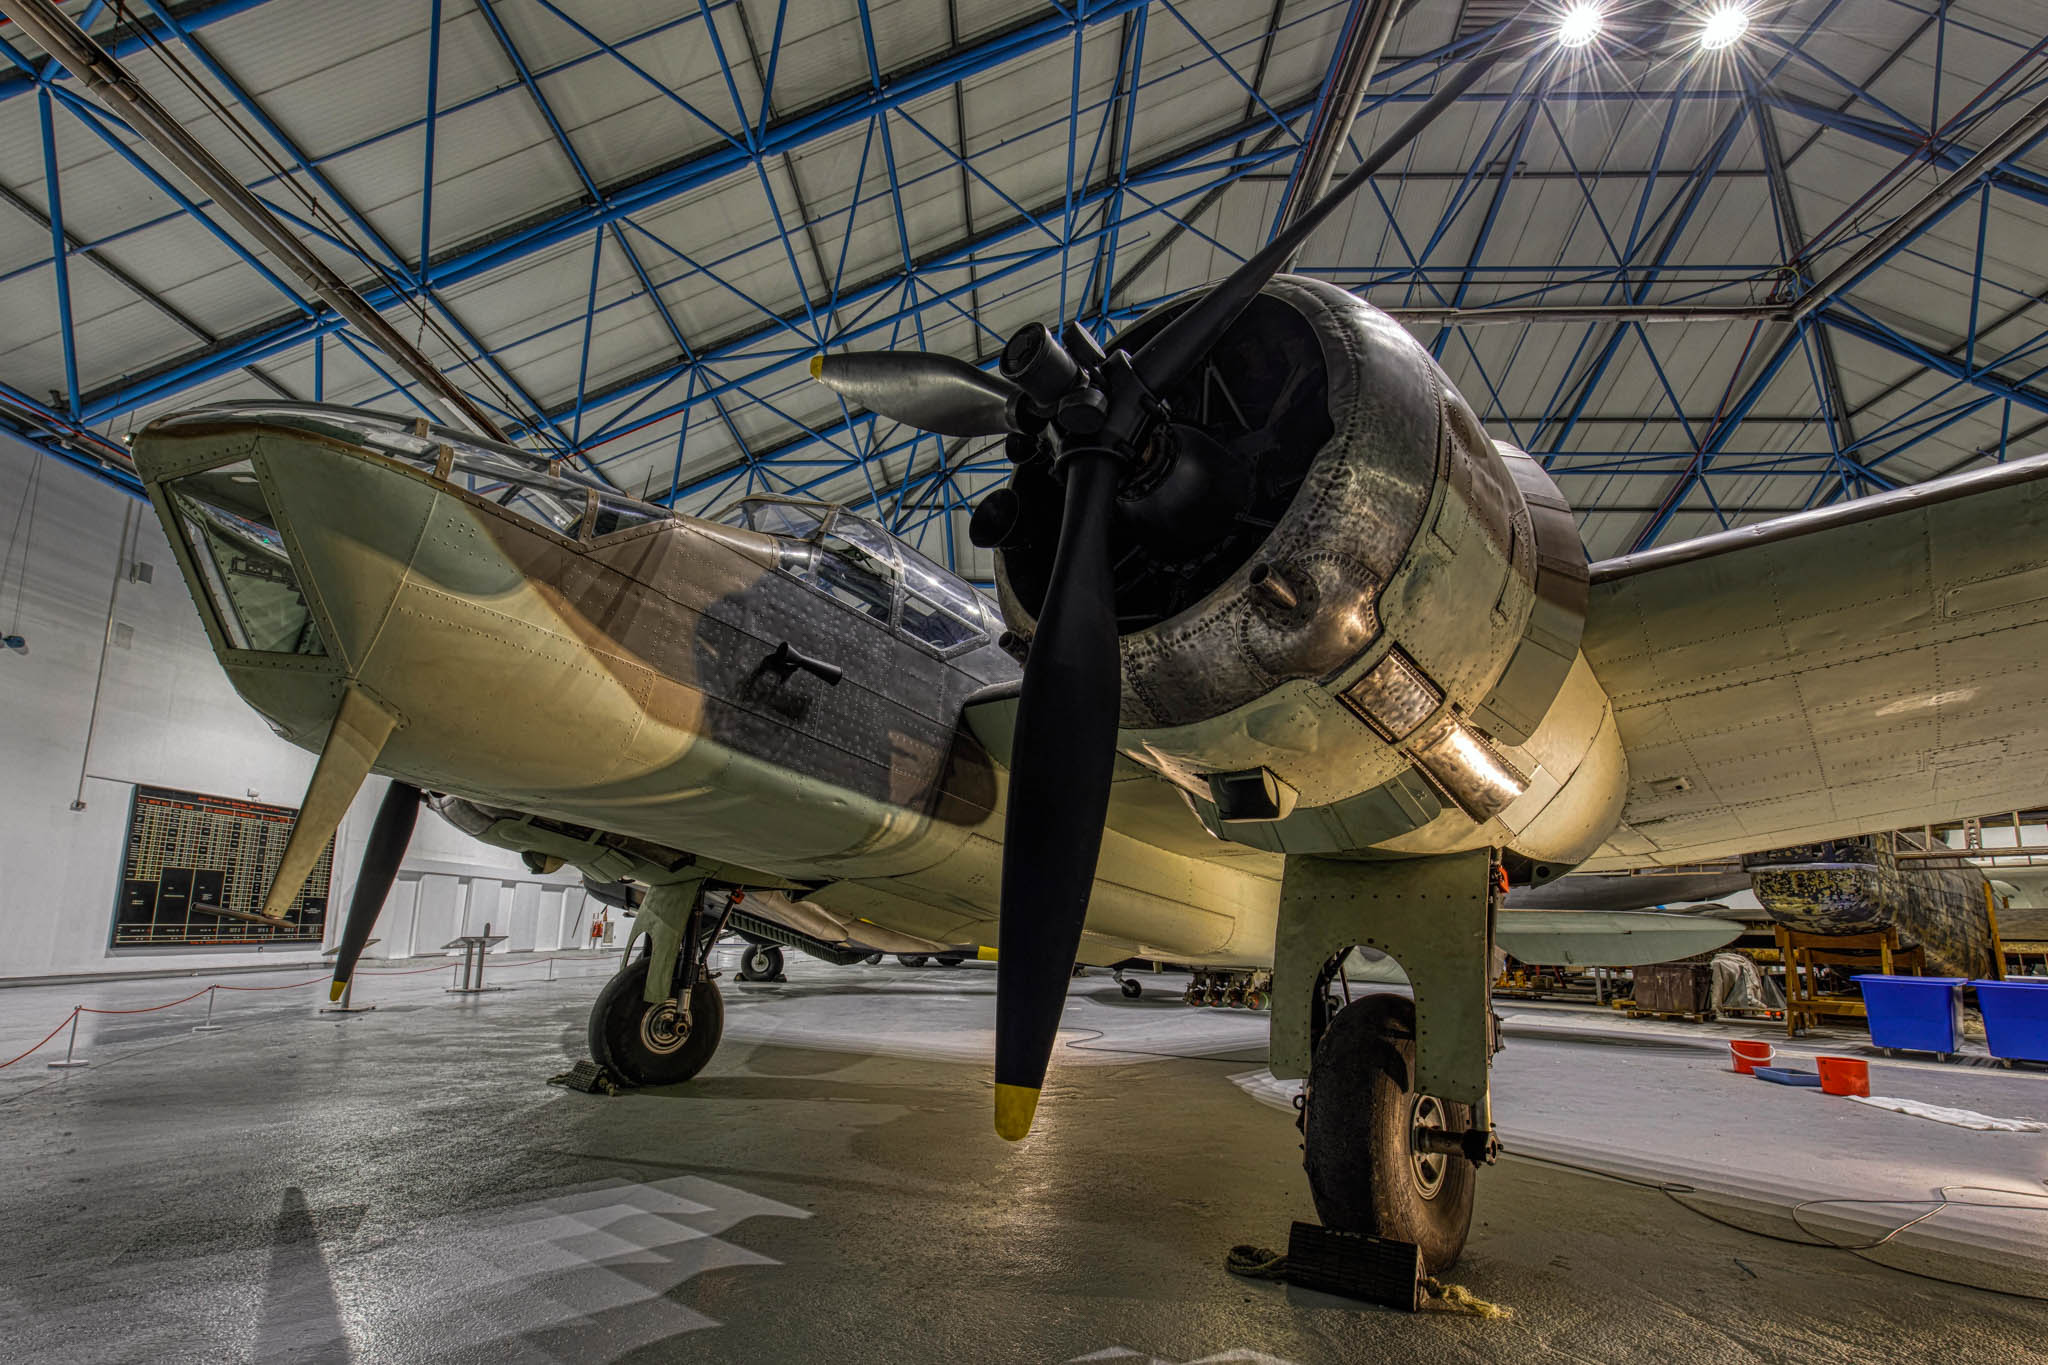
(1861, 667)
(1609, 938)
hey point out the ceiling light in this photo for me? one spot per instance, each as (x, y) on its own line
(1723, 27)
(1579, 26)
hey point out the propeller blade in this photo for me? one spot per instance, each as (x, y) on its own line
(1062, 758)
(931, 392)
(396, 816)
(1185, 340)
(360, 728)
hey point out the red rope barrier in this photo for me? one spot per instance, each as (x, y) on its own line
(147, 1009)
(38, 1047)
(288, 986)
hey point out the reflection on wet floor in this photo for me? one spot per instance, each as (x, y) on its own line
(403, 1186)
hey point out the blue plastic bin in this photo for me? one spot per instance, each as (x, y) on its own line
(1917, 1013)
(2015, 1018)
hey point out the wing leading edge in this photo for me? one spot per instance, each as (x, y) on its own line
(1861, 667)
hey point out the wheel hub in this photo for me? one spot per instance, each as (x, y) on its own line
(1426, 1113)
(663, 1029)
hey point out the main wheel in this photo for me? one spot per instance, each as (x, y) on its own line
(650, 1044)
(761, 962)
(911, 959)
(1360, 1117)
(873, 959)
(1131, 989)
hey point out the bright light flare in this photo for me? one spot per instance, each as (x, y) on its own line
(1723, 27)
(1580, 25)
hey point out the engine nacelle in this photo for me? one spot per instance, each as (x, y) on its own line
(1349, 620)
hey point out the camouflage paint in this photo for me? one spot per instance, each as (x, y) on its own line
(1856, 886)
(618, 684)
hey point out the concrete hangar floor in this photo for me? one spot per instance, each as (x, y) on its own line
(402, 1185)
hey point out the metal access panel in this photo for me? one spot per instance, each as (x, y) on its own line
(190, 854)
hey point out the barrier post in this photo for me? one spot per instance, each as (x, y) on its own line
(209, 1026)
(347, 1004)
(71, 1045)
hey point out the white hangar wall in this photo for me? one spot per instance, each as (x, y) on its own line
(168, 718)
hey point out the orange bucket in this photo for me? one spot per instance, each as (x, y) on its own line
(1748, 1054)
(1843, 1075)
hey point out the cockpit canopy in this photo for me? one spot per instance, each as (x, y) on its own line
(856, 563)
(551, 492)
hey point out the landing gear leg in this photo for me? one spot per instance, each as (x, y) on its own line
(659, 1020)
(1128, 985)
(1396, 1114)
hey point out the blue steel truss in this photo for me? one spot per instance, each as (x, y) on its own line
(1117, 192)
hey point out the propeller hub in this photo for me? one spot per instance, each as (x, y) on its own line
(1035, 362)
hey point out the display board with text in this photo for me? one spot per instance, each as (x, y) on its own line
(197, 866)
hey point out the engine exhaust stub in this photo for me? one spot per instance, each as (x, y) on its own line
(995, 520)
(1273, 588)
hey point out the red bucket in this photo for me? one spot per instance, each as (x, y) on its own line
(1748, 1055)
(1843, 1075)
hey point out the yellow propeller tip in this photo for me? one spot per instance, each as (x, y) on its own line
(335, 991)
(1015, 1106)
(817, 367)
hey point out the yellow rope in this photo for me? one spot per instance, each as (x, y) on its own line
(1456, 1298)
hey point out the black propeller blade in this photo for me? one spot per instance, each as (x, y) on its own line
(932, 392)
(1061, 758)
(1095, 413)
(396, 816)
(1186, 339)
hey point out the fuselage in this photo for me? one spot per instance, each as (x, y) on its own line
(637, 673)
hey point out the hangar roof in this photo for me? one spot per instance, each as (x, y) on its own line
(626, 227)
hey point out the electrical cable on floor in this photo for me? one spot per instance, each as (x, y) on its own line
(1940, 1202)
(1093, 1034)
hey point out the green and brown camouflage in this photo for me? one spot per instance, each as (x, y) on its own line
(1858, 886)
(624, 671)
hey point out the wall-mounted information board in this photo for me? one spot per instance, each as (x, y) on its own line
(188, 854)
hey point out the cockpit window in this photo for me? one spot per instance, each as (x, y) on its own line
(852, 573)
(243, 561)
(770, 516)
(556, 510)
(937, 607)
(854, 561)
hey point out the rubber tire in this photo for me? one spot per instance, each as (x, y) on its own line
(615, 1033)
(873, 959)
(767, 953)
(950, 960)
(1356, 1143)
(911, 959)
(1131, 989)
